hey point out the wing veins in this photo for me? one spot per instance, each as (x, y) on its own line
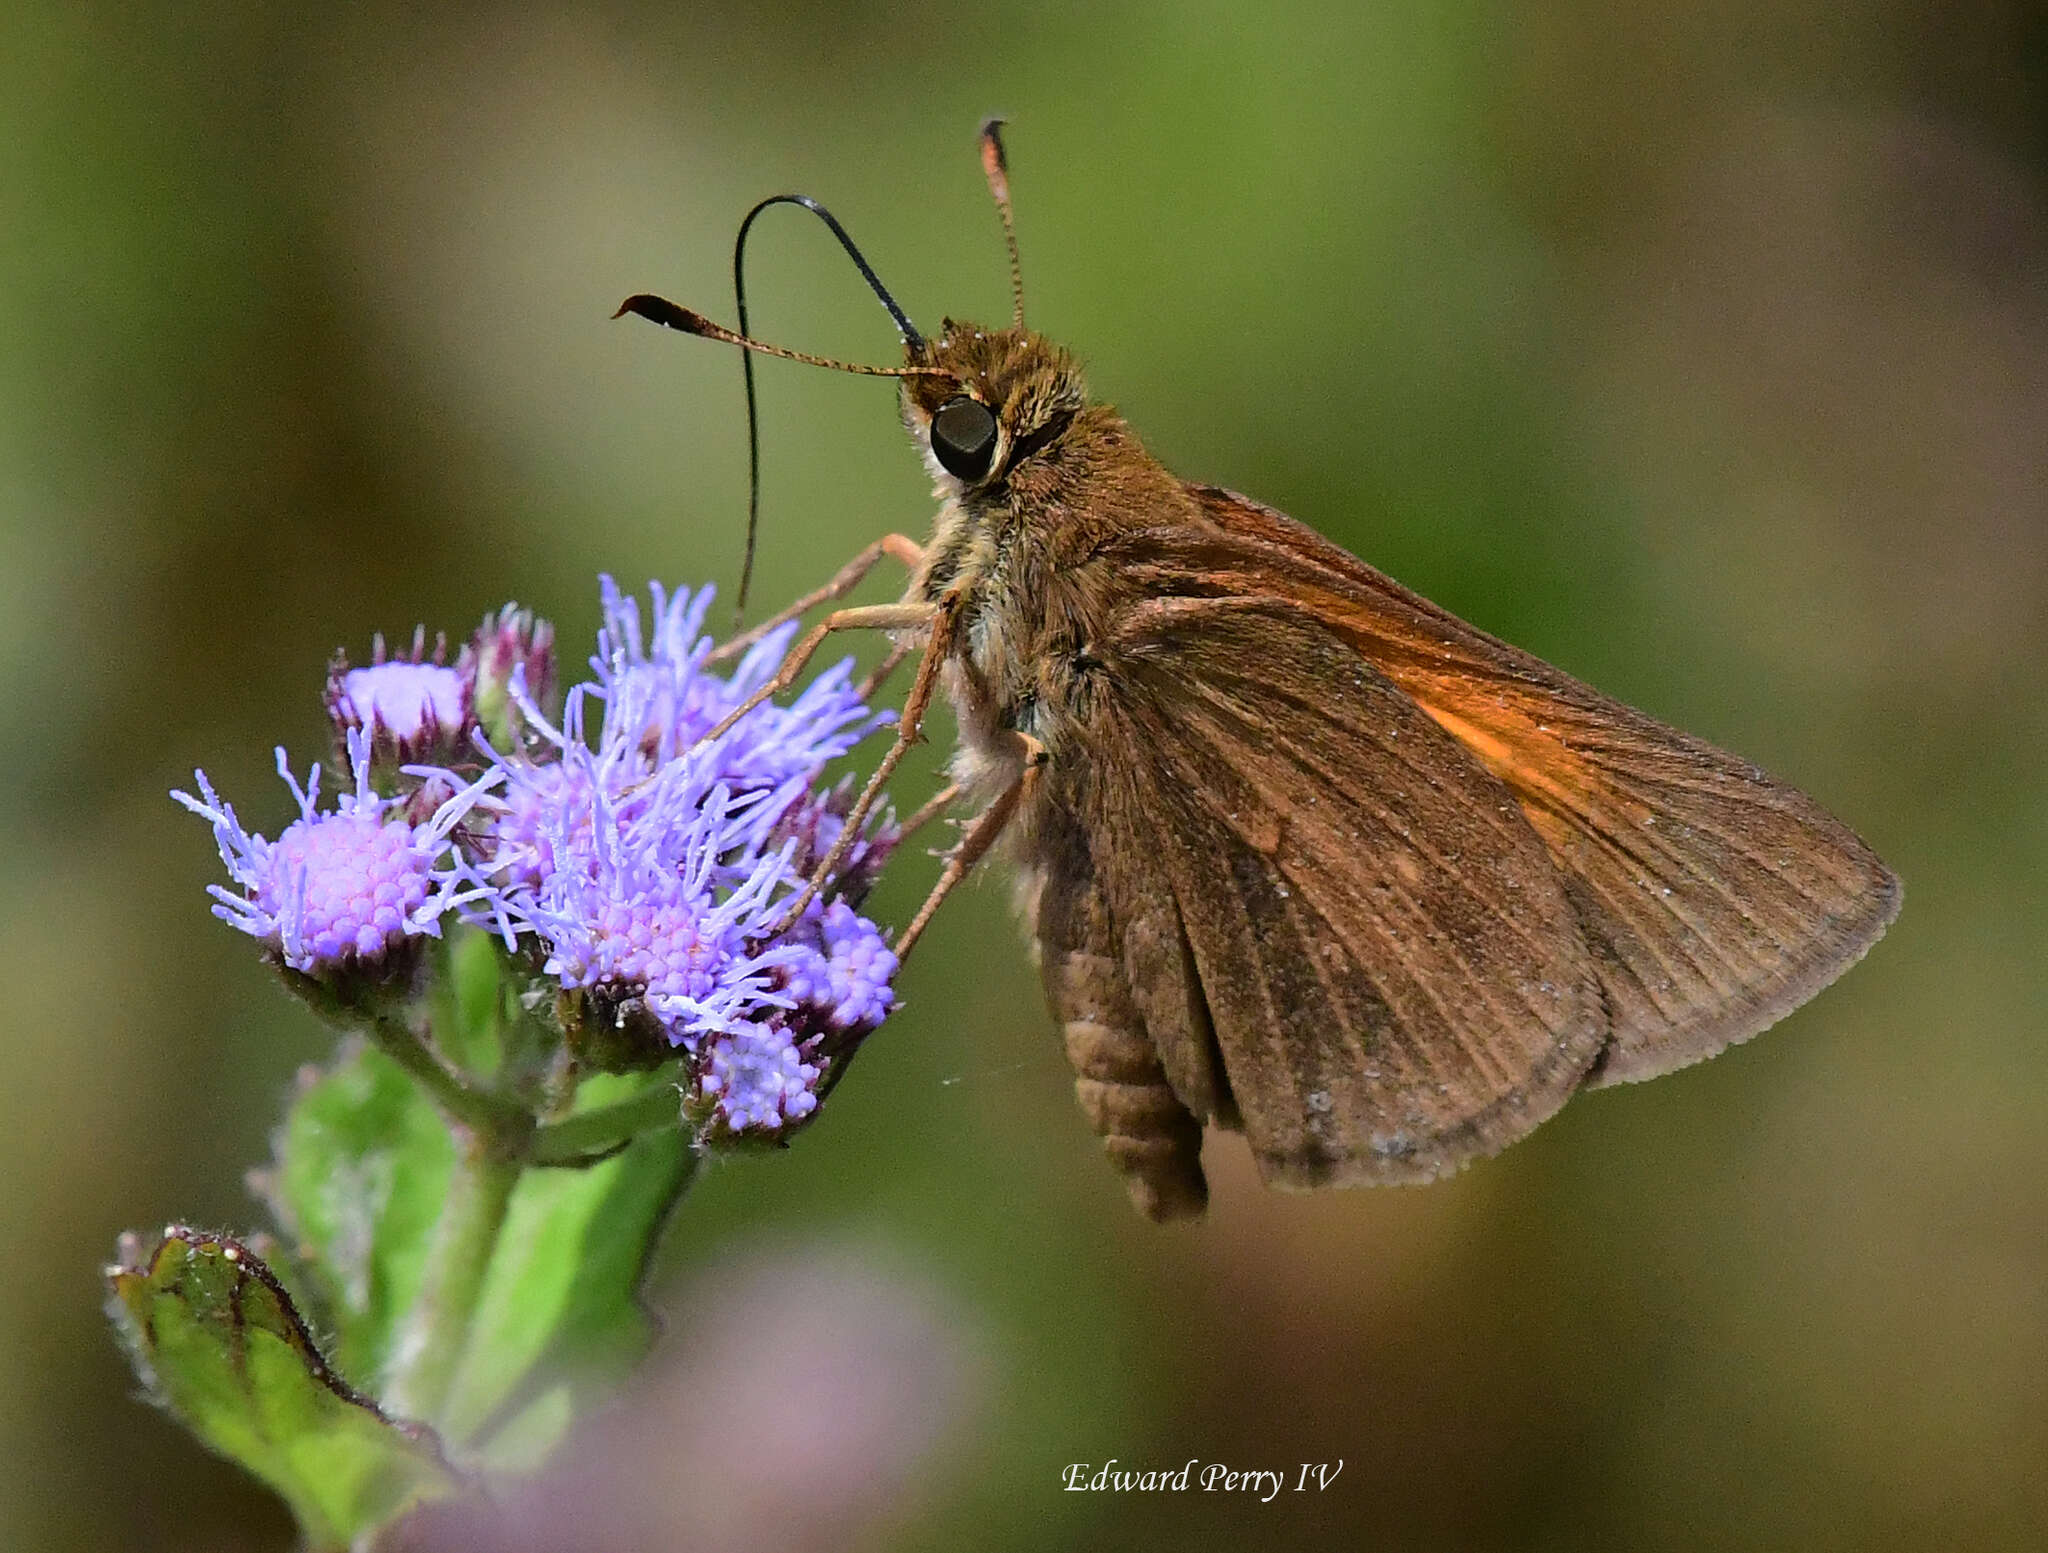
(1307, 762)
(1418, 920)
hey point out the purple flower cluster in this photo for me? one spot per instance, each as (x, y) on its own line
(346, 886)
(624, 857)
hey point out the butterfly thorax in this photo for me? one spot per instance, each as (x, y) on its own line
(1019, 546)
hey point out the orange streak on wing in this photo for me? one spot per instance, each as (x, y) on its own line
(1546, 790)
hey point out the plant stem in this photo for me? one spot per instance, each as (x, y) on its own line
(491, 1139)
(474, 1109)
(577, 1140)
(437, 1335)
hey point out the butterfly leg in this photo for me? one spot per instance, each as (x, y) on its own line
(867, 617)
(898, 547)
(943, 618)
(980, 835)
(930, 810)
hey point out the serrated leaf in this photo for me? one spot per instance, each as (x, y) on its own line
(560, 1318)
(219, 1343)
(363, 1166)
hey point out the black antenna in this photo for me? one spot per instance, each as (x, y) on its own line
(904, 327)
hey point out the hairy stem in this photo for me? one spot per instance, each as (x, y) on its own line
(437, 1334)
(473, 1109)
(491, 1137)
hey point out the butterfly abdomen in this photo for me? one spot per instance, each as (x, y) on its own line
(1150, 1137)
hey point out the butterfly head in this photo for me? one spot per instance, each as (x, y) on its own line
(987, 400)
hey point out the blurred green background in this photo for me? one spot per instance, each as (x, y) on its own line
(1703, 350)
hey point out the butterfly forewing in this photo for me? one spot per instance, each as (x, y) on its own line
(1713, 899)
(1383, 948)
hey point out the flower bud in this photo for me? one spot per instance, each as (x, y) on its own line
(514, 641)
(756, 1079)
(415, 709)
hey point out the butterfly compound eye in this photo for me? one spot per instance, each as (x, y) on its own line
(964, 437)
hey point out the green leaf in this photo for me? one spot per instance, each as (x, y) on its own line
(363, 1167)
(470, 1016)
(367, 1169)
(560, 1319)
(219, 1343)
(482, 1026)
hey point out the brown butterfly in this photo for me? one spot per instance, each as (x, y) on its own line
(1304, 854)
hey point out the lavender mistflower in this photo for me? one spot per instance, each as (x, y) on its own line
(659, 691)
(413, 706)
(341, 887)
(512, 645)
(409, 701)
(650, 867)
(637, 872)
(759, 1079)
(646, 899)
(540, 823)
(843, 976)
(655, 700)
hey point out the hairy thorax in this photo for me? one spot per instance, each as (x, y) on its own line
(1037, 601)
